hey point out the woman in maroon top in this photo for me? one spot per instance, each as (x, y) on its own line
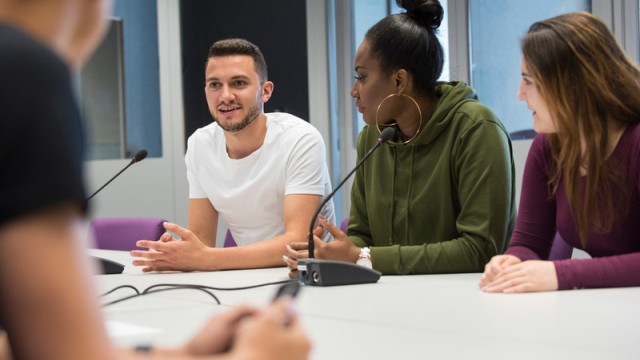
(581, 178)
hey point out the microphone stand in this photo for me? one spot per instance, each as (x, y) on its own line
(108, 266)
(329, 272)
(136, 158)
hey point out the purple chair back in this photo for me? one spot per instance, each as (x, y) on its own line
(344, 224)
(560, 249)
(228, 240)
(122, 233)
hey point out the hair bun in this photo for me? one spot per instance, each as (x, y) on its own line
(427, 13)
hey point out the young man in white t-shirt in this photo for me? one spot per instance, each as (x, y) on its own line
(265, 174)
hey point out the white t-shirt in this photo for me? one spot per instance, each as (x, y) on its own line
(249, 193)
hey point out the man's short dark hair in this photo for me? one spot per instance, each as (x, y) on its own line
(240, 47)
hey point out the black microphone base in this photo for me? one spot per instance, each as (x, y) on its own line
(107, 266)
(331, 273)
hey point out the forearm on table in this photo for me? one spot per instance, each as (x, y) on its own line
(459, 255)
(263, 254)
(610, 271)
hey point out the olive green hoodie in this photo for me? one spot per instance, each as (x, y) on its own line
(443, 203)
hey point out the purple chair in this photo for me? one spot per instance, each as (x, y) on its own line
(228, 240)
(344, 224)
(122, 233)
(560, 249)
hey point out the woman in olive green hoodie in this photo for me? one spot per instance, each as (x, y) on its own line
(440, 197)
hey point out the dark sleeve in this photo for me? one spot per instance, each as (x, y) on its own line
(535, 224)
(41, 142)
(609, 271)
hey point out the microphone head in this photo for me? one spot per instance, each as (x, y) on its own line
(386, 135)
(139, 156)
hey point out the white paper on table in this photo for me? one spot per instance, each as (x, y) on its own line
(120, 329)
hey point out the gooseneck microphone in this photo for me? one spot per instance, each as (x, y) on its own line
(329, 272)
(108, 266)
(139, 156)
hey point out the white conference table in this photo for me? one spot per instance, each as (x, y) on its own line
(400, 317)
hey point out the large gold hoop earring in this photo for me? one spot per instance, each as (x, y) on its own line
(379, 126)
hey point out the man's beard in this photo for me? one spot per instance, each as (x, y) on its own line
(253, 114)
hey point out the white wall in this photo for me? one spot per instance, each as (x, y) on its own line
(520, 150)
(155, 187)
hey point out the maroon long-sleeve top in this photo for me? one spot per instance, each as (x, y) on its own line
(615, 255)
